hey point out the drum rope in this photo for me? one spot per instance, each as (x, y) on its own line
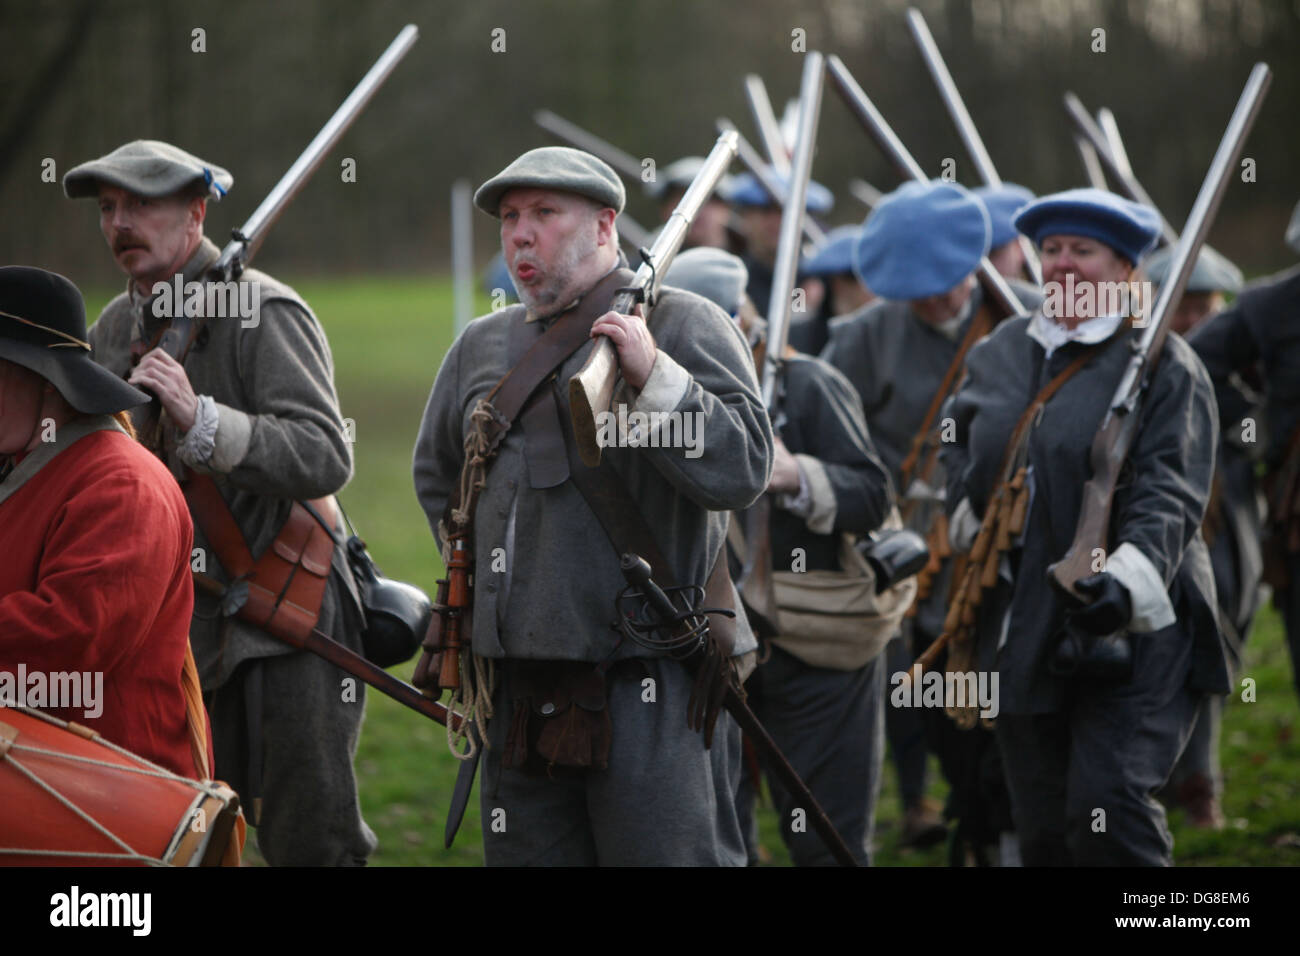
(160, 772)
(131, 854)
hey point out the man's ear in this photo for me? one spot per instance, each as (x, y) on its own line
(605, 225)
(198, 210)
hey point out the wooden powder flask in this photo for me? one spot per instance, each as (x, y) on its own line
(455, 588)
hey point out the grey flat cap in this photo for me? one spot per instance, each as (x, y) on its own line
(717, 275)
(554, 167)
(146, 167)
(1293, 229)
(1212, 272)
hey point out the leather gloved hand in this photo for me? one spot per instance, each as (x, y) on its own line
(1109, 608)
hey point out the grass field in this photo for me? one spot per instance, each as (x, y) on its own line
(388, 336)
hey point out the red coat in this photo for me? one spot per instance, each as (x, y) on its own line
(95, 577)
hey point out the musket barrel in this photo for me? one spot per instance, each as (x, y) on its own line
(769, 131)
(752, 161)
(1106, 123)
(952, 98)
(255, 228)
(879, 130)
(1091, 132)
(966, 128)
(575, 135)
(787, 253)
(592, 388)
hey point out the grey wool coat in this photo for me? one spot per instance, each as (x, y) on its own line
(280, 437)
(1158, 506)
(554, 600)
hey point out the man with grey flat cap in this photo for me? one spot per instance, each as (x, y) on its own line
(251, 422)
(589, 758)
(95, 533)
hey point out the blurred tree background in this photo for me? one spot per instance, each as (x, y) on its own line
(79, 78)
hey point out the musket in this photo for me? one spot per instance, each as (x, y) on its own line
(865, 193)
(1106, 121)
(248, 238)
(786, 267)
(965, 125)
(762, 172)
(1087, 127)
(1091, 164)
(626, 165)
(1118, 430)
(769, 130)
(755, 579)
(592, 388)
(462, 253)
(346, 659)
(995, 286)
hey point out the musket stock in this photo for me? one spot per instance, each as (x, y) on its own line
(592, 388)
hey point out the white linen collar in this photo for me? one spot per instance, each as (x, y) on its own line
(1051, 335)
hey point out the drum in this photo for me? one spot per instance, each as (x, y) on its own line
(68, 797)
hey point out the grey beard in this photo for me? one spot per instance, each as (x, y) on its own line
(558, 293)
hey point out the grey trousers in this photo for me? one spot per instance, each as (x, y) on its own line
(1082, 780)
(1201, 758)
(831, 727)
(655, 805)
(311, 815)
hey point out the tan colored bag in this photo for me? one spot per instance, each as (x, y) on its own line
(835, 619)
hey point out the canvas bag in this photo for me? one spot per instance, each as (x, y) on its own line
(835, 619)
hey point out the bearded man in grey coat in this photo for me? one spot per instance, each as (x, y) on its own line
(545, 573)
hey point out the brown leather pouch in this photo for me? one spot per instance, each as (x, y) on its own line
(561, 717)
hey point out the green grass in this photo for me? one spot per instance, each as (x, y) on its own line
(388, 336)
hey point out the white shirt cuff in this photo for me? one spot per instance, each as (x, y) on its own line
(1146, 589)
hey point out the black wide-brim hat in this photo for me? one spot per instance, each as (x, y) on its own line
(43, 328)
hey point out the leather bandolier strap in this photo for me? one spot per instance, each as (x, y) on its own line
(286, 585)
(924, 443)
(492, 418)
(1004, 520)
(565, 336)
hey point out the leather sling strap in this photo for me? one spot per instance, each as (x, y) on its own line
(1015, 444)
(606, 494)
(978, 328)
(286, 586)
(565, 336)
